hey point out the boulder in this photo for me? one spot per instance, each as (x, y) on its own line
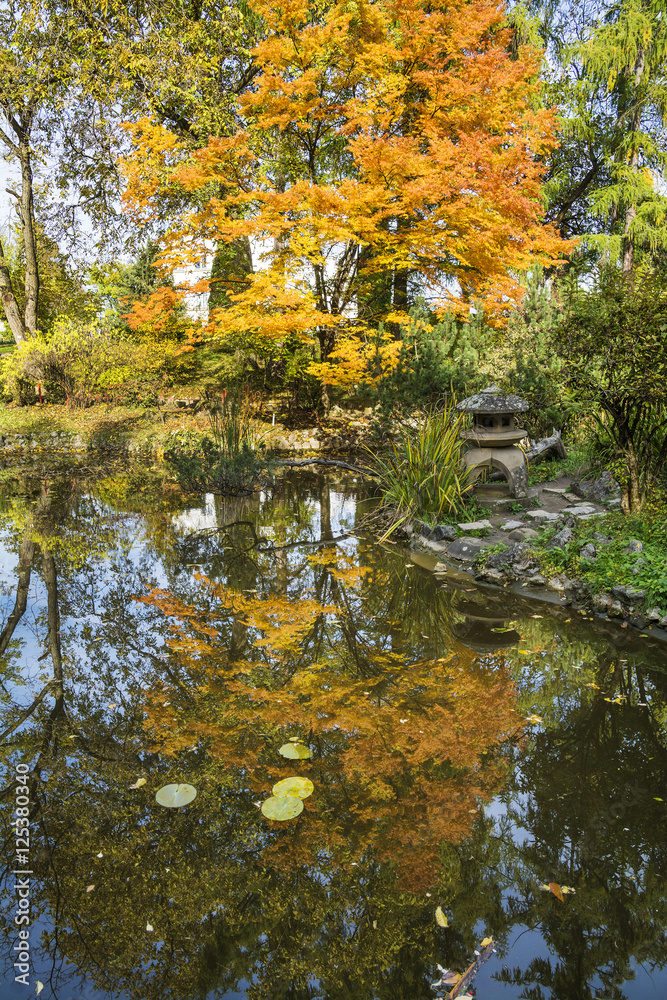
(598, 490)
(561, 539)
(465, 549)
(587, 551)
(523, 534)
(634, 545)
(601, 603)
(654, 615)
(443, 533)
(631, 595)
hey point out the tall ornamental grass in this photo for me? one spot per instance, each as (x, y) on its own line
(423, 474)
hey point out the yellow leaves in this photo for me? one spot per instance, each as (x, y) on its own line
(440, 918)
(559, 891)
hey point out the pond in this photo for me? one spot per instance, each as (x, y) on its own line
(466, 747)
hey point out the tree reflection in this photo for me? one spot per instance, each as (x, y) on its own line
(291, 626)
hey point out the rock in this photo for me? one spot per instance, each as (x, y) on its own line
(542, 515)
(614, 503)
(498, 559)
(602, 602)
(634, 545)
(523, 534)
(615, 610)
(559, 583)
(487, 575)
(537, 580)
(443, 533)
(654, 615)
(638, 566)
(422, 528)
(597, 490)
(629, 594)
(638, 621)
(560, 540)
(601, 539)
(511, 525)
(465, 549)
(558, 491)
(433, 546)
(475, 525)
(580, 510)
(588, 552)
(663, 622)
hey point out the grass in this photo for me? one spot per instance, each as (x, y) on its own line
(422, 475)
(578, 461)
(613, 565)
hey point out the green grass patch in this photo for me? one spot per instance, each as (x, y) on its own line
(614, 565)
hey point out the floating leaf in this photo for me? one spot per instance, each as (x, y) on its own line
(38, 987)
(557, 891)
(294, 787)
(138, 783)
(90, 888)
(499, 629)
(487, 941)
(566, 889)
(440, 918)
(282, 807)
(295, 751)
(149, 927)
(100, 855)
(173, 796)
(535, 719)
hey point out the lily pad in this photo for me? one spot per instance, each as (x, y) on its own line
(295, 751)
(299, 788)
(282, 807)
(173, 796)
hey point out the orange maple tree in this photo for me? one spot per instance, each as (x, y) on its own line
(380, 141)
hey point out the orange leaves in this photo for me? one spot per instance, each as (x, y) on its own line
(377, 138)
(155, 313)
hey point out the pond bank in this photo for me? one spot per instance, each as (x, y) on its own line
(533, 548)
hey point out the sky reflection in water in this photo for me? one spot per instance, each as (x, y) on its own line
(189, 643)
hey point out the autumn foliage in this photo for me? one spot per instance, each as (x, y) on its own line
(380, 143)
(402, 751)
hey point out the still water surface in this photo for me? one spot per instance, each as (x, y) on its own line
(468, 748)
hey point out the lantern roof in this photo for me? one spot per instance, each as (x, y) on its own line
(493, 400)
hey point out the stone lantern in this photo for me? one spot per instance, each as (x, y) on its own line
(493, 439)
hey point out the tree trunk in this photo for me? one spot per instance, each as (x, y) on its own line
(9, 303)
(27, 214)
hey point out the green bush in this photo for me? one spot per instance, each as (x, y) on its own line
(422, 475)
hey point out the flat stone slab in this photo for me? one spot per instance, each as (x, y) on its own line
(475, 525)
(542, 515)
(579, 509)
(556, 490)
(465, 549)
(511, 525)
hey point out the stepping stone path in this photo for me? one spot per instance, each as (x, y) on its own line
(475, 525)
(511, 525)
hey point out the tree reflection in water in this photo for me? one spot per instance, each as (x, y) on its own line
(289, 625)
